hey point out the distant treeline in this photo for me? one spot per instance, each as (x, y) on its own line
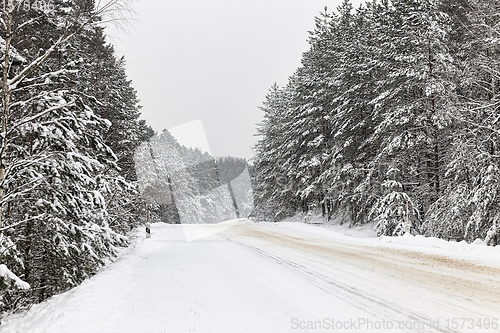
(186, 185)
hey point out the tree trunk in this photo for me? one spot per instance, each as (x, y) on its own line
(5, 113)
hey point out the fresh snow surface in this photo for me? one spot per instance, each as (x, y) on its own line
(251, 277)
(337, 224)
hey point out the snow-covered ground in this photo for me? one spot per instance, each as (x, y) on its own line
(279, 277)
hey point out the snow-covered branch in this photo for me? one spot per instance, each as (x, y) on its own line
(7, 274)
(40, 216)
(41, 114)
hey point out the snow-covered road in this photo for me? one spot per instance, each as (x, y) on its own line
(265, 277)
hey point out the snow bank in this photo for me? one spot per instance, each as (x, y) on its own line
(478, 251)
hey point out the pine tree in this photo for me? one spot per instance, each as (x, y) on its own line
(478, 117)
(55, 161)
(276, 177)
(392, 117)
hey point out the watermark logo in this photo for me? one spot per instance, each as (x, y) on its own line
(371, 325)
(30, 5)
(191, 187)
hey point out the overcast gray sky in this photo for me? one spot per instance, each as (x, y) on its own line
(215, 60)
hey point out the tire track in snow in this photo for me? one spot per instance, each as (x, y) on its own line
(407, 263)
(349, 294)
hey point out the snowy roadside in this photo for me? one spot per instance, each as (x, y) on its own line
(477, 252)
(136, 236)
